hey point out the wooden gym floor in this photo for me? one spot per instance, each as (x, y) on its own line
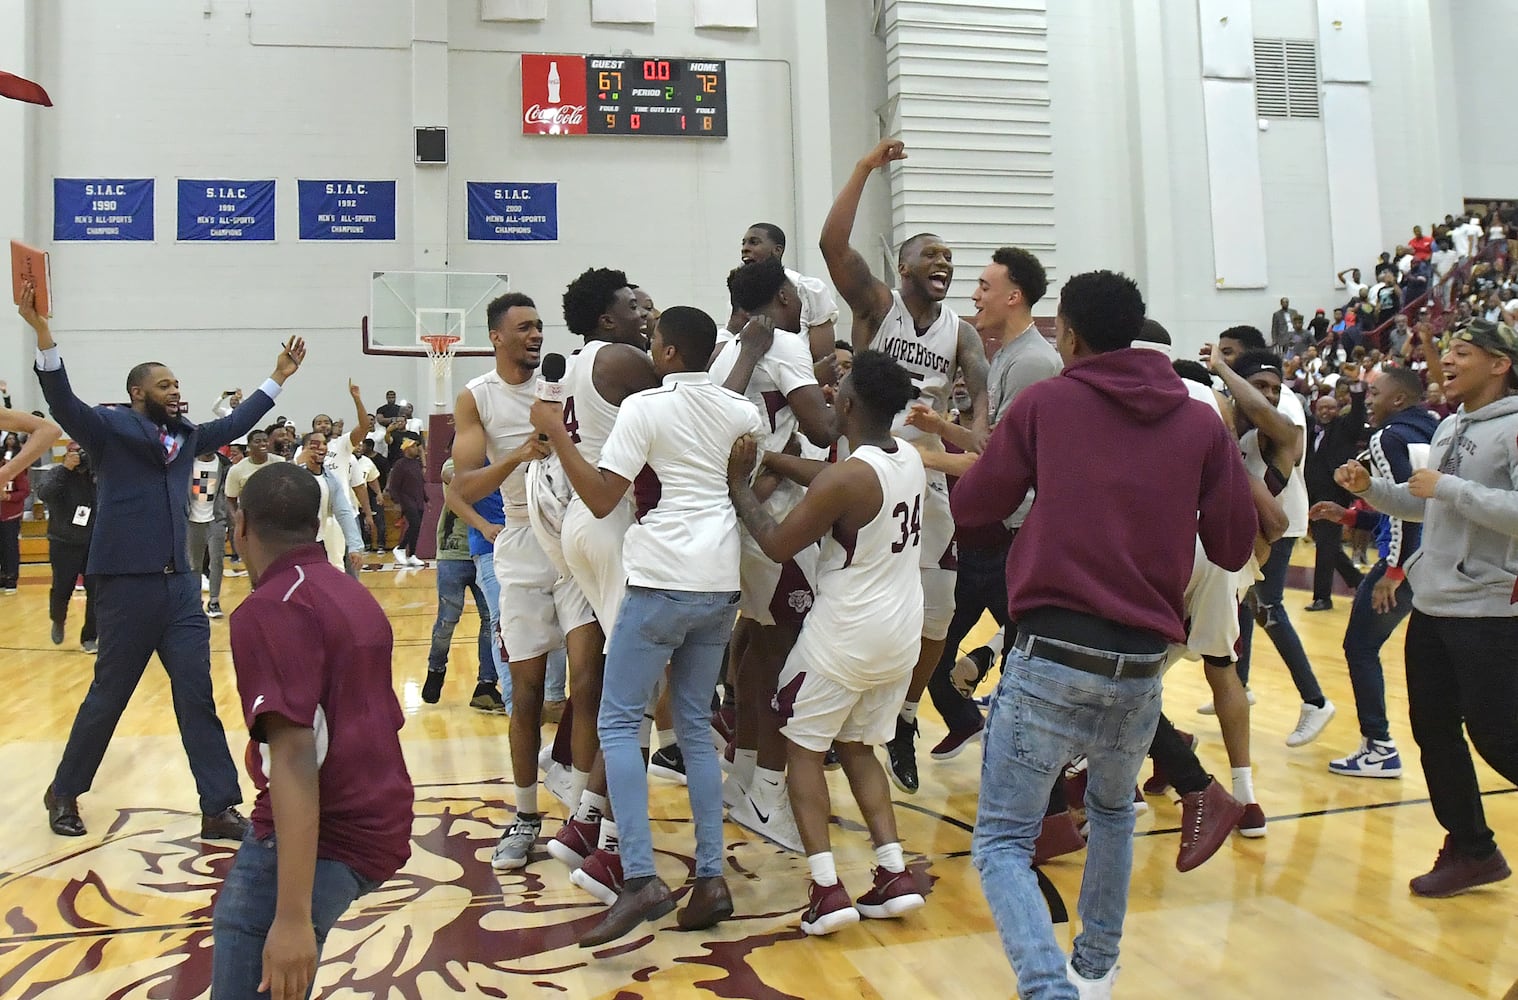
(1319, 908)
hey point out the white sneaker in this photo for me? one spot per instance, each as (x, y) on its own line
(418, 563)
(773, 821)
(1211, 709)
(1311, 723)
(516, 845)
(400, 556)
(1091, 989)
(560, 784)
(733, 790)
(545, 757)
(1374, 759)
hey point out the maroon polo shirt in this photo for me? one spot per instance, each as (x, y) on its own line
(312, 645)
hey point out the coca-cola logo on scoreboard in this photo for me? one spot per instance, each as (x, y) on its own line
(553, 95)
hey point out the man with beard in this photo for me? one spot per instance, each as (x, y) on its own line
(914, 327)
(147, 598)
(819, 310)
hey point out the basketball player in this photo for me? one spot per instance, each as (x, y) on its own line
(914, 327)
(780, 382)
(540, 610)
(650, 315)
(845, 679)
(601, 307)
(682, 580)
(819, 310)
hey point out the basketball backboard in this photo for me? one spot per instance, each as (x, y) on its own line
(406, 306)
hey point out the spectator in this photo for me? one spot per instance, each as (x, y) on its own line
(1319, 324)
(1280, 324)
(206, 534)
(1466, 237)
(408, 491)
(456, 572)
(1332, 439)
(384, 414)
(1421, 246)
(13, 496)
(69, 492)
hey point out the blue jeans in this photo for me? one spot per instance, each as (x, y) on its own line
(453, 576)
(1042, 715)
(245, 912)
(484, 576)
(1366, 633)
(1271, 595)
(689, 631)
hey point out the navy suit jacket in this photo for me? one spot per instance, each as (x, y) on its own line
(142, 497)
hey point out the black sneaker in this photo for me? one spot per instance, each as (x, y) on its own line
(903, 756)
(432, 687)
(668, 763)
(830, 761)
(57, 633)
(485, 698)
(213, 610)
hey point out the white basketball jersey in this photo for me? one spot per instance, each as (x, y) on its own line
(929, 358)
(864, 628)
(785, 367)
(587, 415)
(504, 414)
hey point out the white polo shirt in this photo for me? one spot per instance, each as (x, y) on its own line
(684, 430)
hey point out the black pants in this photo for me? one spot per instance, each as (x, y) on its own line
(413, 517)
(10, 552)
(68, 561)
(1461, 671)
(980, 587)
(142, 614)
(1328, 557)
(1177, 760)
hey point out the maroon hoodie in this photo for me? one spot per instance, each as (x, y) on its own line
(1122, 461)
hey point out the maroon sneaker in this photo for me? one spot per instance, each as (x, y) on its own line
(1454, 873)
(1252, 822)
(950, 746)
(1159, 782)
(1059, 836)
(1207, 818)
(601, 876)
(830, 908)
(893, 894)
(575, 841)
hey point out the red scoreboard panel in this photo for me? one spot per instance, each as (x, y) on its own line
(619, 95)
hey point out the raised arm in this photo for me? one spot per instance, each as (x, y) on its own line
(41, 436)
(867, 296)
(1290, 440)
(361, 424)
(218, 433)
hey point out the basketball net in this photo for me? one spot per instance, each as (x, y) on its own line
(440, 351)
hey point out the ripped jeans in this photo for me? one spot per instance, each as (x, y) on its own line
(1269, 596)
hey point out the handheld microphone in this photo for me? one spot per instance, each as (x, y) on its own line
(550, 386)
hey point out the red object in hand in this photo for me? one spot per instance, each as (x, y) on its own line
(20, 89)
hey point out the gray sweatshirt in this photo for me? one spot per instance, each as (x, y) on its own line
(1467, 565)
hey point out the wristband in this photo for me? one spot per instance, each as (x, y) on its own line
(1396, 573)
(1348, 520)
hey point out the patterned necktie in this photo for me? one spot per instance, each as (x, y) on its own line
(170, 443)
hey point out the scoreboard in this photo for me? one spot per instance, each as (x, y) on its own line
(624, 95)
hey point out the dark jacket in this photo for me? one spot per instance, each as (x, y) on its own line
(1394, 453)
(142, 496)
(1337, 443)
(406, 486)
(65, 491)
(1128, 472)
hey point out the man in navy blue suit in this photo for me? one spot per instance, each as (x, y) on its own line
(147, 593)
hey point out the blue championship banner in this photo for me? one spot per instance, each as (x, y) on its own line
(347, 210)
(104, 209)
(226, 211)
(510, 211)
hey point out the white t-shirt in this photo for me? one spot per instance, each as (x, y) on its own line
(237, 476)
(785, 367)
(684, 429)
(365, 470)
(340, 457)
(1463, 236)
(204, 480)
(1294, 498)
(817, 303)
(1355, 288)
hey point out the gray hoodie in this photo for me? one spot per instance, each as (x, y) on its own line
(1467, 565)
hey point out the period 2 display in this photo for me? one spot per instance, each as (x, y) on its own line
(623, 95)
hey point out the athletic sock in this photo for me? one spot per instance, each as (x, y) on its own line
(1243, 784)
(667, 739)
(527, 799)
(909, 712)
(768, 783)
(592, 807)
(823, 871)
(578, 779)
(745, 763)
(646, 733)
(997, 643)
(888, 856)
(608, 841)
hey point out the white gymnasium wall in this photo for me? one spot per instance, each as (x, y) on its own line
(1479, 31)
(288, 89)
